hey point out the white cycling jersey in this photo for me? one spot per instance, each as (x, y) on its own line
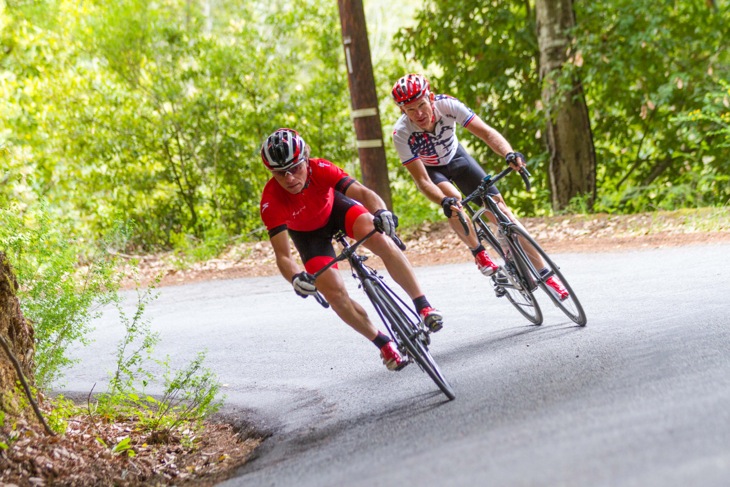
(435, 148)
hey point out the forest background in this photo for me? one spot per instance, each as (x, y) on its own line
(151, 114)
(134, 127)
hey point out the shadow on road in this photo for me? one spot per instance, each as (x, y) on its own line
(502, 338)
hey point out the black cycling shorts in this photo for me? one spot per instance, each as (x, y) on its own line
(463, 171)
(315, 247)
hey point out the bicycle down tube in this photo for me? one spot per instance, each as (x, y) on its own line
(403, 324)
(519, 269)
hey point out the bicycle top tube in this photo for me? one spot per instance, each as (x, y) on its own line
(349, 250)
(489, 181)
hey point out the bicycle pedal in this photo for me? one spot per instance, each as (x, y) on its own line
(402, 365)
(435, 326)
(500, 292)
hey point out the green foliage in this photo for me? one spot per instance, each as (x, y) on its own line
(165, 105)
(61, 411)
(653, 75)
(189, 249)
(165, 109)
(59, 296)
(136, 346)
(124, 446)
(644, 77)
(189, 394)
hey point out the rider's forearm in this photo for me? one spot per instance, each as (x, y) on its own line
(367, 197)
(431, 191)
(372, 202)
(490, 136)
(287, 267)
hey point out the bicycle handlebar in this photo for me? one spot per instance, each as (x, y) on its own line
(490, 181)
(463, 222)
(345, 254)
(486, 183)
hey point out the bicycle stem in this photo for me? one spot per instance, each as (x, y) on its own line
(346, 252)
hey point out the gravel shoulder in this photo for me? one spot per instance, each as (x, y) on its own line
(435, 243)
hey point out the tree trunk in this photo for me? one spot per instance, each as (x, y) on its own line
(18, 334)
(568, 133)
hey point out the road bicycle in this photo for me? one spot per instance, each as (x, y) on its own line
(404, 325)
(518, 278)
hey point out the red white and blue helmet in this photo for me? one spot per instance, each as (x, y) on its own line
(283, 149)
(409, 88)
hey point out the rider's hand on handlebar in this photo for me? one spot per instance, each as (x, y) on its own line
(449, 204)
(304, 284)
(385, 222)
(516, 160)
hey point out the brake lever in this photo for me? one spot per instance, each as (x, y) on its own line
(321, 300)
(526, 177)
(463, 222)
(401, 245)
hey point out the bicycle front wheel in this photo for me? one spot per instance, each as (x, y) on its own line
(568, 303)
(410, 337)
(508, 281)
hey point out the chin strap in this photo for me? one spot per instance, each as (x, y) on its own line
(309, 177)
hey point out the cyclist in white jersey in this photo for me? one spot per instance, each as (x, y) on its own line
(425, 138)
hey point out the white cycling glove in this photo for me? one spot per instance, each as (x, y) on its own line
(385, 222)
(304, 284)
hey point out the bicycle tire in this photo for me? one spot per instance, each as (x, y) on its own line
(517, 292)
(571, 306)
(407, 334)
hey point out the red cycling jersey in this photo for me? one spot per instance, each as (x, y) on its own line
(309, 209)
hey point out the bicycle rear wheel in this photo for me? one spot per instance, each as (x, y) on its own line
(508, 282)
(407, 332)
(570, 305)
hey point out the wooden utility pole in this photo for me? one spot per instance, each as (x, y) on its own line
(364, 100)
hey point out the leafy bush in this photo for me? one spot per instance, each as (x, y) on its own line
(189, 394)
(58, 296)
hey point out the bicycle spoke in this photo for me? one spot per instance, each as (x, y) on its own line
(407, 332)
(509, 285)
(569, 305)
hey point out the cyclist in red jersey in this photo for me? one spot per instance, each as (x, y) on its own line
(426, 142)
(309, 200)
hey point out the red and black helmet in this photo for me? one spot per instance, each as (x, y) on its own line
(410, 88)
(283, 149)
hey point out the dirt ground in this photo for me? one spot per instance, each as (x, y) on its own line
(78, 458)
(435, 243)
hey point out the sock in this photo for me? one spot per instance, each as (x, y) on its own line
(475, 251)
(544, 272)
(421, 302)
(381, 340)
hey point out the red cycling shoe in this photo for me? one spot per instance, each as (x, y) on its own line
(557, 287)
(391, 357)
(485, 264)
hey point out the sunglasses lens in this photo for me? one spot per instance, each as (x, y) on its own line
(291, 171)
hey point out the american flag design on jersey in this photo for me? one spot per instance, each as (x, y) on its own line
(435, 148)
(422, 145)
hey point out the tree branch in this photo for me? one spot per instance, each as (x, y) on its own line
(19, 371)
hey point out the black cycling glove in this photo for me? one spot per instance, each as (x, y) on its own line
(447, 203)
(511, 157)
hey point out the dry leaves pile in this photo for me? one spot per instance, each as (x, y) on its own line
(85, 455)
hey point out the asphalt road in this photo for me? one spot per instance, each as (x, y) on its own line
(639, 397)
